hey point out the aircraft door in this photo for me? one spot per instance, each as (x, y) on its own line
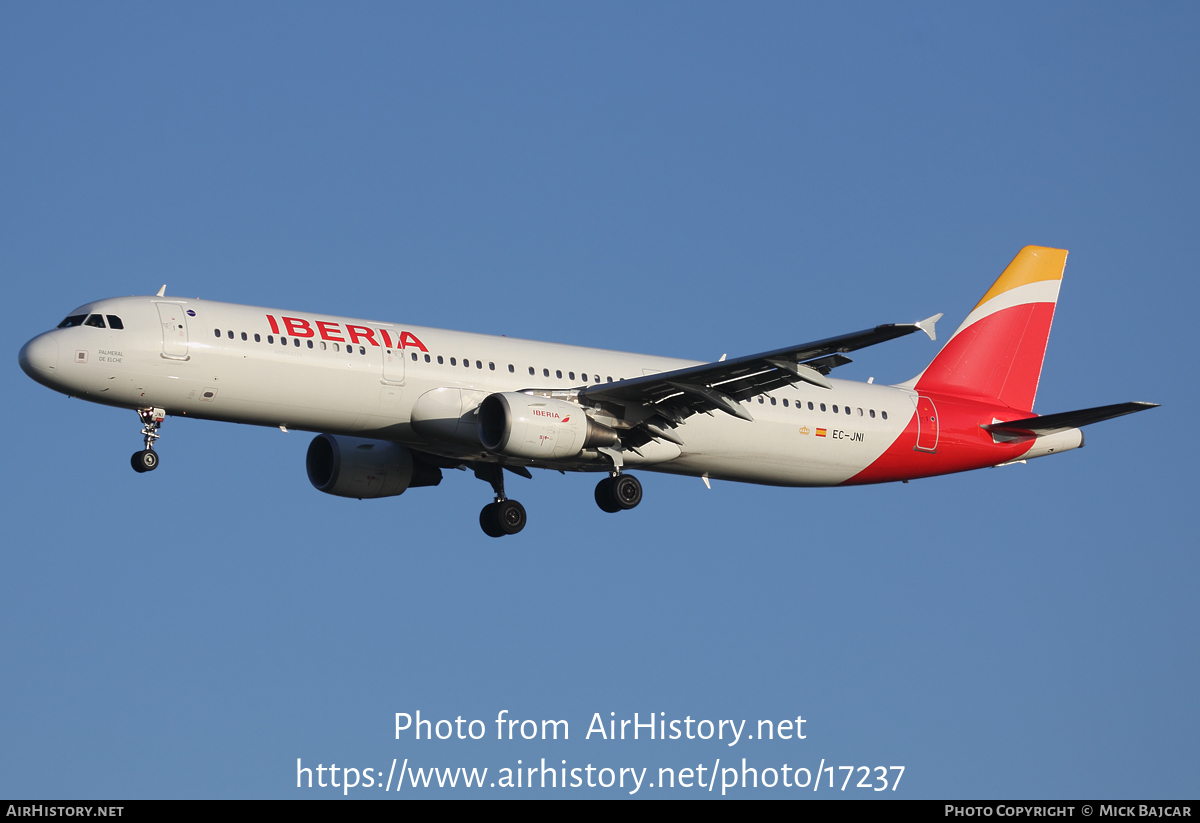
(393, 365)
(927, 425)
(174, 331)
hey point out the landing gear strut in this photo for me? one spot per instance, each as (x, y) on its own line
(147, 459)
(618, 492)
(503, 516)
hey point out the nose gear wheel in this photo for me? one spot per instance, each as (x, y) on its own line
(144, 461)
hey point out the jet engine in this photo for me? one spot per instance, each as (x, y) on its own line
(357, 467)
(533, 427)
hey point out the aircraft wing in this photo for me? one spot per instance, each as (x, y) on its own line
(1050, 423)
(661, 401)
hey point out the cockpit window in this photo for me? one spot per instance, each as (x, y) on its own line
(73, 320)
(96, 320)
(114, 322)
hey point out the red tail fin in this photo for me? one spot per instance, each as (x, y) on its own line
(997, 352)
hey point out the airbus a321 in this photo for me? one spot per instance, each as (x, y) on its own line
(394, 404)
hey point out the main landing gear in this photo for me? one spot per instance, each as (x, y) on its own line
(147, 459)
(503, 516)
(618, 492)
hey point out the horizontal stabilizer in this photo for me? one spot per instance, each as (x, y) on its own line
(1050, 423)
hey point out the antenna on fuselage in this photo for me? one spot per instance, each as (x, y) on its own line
(162, 292)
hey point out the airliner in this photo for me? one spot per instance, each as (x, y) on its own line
(393, 405)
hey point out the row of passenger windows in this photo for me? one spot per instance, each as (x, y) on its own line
(583, 376)
(466, 362)
(93, 320)
(283, 341)
(846, 409)
(454, 361)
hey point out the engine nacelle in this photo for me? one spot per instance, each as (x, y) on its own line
(539, 428)
(357, 467)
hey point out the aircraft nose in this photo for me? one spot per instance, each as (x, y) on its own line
(39, 357)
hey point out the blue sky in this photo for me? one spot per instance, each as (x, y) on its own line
(681, 179)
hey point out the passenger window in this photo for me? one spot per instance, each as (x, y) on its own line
(545, 372)
(296, 342)
(244, 336)
(823, 407)
(835, 408)
(283, 341)
(310, 345)
(114, 322)
(323, 346)
(362, 349)
(610, 380)
(860, 413)
(531, 371)
(216, 332)
(426, 358)
(772, 401)
(414, 356)
(571, 375)
(467, 363)
(453, 362)
(230, 333)
(440, 360)
(478, 364)
(884, 415)
(785, 403)
(760, 398)
(872, 413)
(558, 374)
(257, 339)
(847, 410)
(73, 320)
(270, 339)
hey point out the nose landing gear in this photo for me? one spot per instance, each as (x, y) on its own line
(618, 492)
(147, 459)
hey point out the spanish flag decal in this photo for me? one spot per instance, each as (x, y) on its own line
(820, 432)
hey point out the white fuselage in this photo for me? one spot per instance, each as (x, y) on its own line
(222, 361)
